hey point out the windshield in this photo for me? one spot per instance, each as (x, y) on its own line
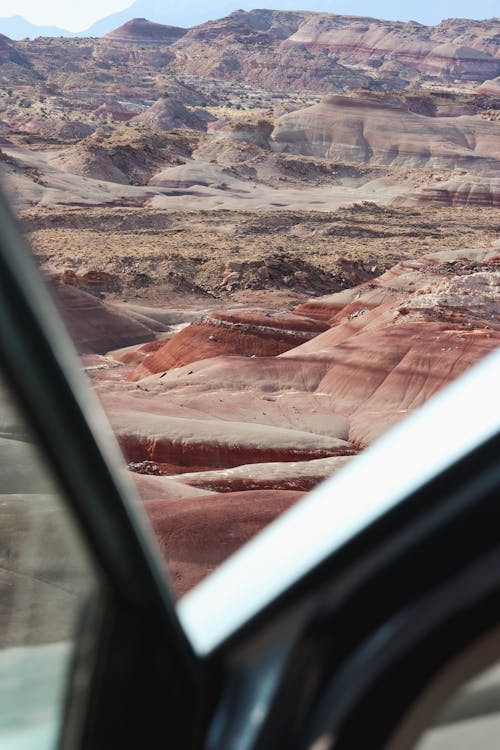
(273, 236)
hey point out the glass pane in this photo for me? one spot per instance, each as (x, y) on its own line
(46, 582)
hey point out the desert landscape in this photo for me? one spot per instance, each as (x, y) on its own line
(272, 236)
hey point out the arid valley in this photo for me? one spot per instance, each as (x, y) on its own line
(272, 237)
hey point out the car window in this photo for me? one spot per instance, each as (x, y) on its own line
(257, 299)
(47, 586)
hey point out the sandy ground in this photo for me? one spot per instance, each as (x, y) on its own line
(43, 182)
(164, 258)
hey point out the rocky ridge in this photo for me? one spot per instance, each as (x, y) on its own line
(448, 49)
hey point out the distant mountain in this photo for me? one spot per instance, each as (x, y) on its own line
(173, 13)
(17, 27)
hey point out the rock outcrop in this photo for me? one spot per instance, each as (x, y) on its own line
(179, 444)
(327, 52)
(372, 369)
(234, 140)
(152, 487)
(392, 343)
(170, 114)
(115, 111)
(230, 441)
(138, 41)
(406, 335)
(270, 50)
(249, 48)
(125, 157)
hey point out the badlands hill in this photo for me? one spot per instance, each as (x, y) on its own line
(383, 130)
(6, 49)
(142, 31)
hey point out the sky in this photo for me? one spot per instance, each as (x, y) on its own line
(73, 16)
(78, 16)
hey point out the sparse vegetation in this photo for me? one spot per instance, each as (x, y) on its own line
(199, 243)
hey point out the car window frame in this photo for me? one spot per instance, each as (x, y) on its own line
(41, 367)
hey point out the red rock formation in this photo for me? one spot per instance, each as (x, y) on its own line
(272, 50)
(135, 354)
(249, 431)
(115, 111)
(250, 333)
(164, 488)
(394, 342)
(437, 319)
(196, 535)
(246, 131)
(127, 157)
(139, 41)
(301, 476)
(477, 34)
(458, 62)
(177, 443)
(467, 191)
(379, 377)
(247, 47)
(297, 409)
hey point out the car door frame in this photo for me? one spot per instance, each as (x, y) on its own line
(371, 624)
(145, 679)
